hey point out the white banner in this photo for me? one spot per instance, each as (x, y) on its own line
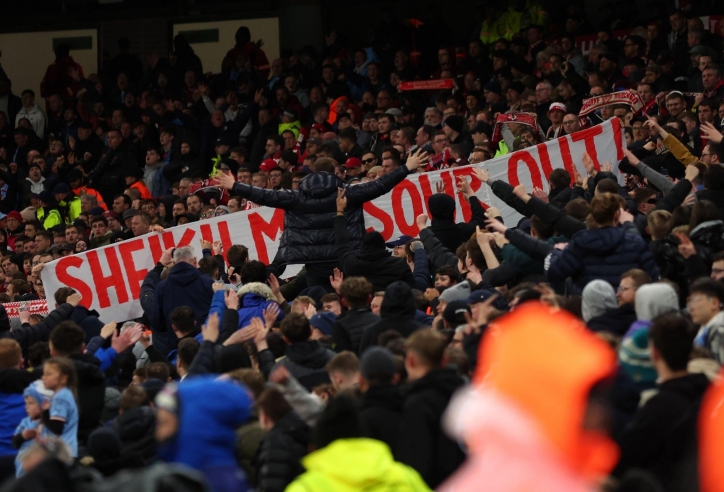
(109, 278)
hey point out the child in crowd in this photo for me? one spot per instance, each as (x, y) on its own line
(60, 414)
(35, 396)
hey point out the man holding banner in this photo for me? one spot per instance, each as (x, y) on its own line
(310, 212)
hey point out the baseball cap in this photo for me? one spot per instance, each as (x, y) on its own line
(315, 141)
(454, 313)
(131, 212)
(268, 165)
(353, 163)
(323, 321)
(394, 112)
(402, 240)
(110, 214)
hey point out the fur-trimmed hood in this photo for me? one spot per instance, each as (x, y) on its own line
(257, 288)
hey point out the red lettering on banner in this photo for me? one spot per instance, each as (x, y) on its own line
(206, 233)
(568, 164)
(260, 228)
(169, 241)
(617, 139)
(135, 276)
(532, 165)
(103, 282)
(154, 243)
(186, 238)
(388, 225)
(65, 278)
(426, 191)
(545, 160)
(225, 236)
(589, 136)
(398, 208)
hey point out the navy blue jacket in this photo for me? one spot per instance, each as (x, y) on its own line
(310, 212)
(185, 286)
(603, 254)
(88, 320)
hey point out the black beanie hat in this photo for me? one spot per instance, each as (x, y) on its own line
(441, 206)
(456, 122)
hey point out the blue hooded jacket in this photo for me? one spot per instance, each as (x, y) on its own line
(254, 298)
(208, 412)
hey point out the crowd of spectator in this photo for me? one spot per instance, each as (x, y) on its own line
(579, 348)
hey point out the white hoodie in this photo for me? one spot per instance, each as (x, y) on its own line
(36, 117)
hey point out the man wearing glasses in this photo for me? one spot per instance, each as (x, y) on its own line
(640, 131)
(369, 160)
(571, 124)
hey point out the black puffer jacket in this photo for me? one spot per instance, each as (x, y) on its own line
(442, 213)
(310, 212)
(397, 313)
(281, 452)
(708, 238)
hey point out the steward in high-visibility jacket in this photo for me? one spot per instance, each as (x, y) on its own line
(48, 213)
(521, 14)
(69, 204)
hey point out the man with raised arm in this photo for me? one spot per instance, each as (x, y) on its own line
(311, 209)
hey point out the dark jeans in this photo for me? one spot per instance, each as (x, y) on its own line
(318, 274)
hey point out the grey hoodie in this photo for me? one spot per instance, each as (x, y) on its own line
(597, 298)
(653, 300)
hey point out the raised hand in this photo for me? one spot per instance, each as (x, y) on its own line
(225, 181)
(336, 279)
(310, 311)
(709, 131)
(588, 164)
(108, 329)
(74, 299)
(495, 226)
(607, 167)
(464, 187)
(440, 187)
(241, 336)
(416, 160)
(205, 244)
(686, 247)
(167, 258)
(231, 299)
(482, 174)
(421, 221)
(217, 247)
(540, 194)
(271, 314)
